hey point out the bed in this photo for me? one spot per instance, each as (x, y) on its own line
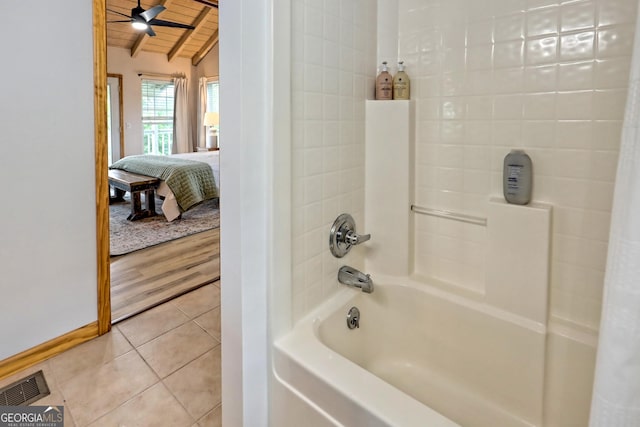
(184, 181)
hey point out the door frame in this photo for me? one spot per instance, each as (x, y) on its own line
(101, 178)
(120, 110)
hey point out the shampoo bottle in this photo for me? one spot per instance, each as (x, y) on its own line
(401, 83)
(384, 84)
(516, 177)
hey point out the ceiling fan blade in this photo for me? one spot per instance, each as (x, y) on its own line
(161, 23)
(150, 31)
(125, 20)
(119, 13)
(148, 15)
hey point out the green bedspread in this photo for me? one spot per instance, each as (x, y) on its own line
(190, 181)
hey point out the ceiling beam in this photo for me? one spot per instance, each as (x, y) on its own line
(139, 44)
(210, 3)
(188, 35)
(209, 44)
(144, 37)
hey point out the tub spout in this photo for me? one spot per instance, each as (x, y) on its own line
(351, 277)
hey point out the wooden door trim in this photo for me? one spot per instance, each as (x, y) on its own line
(102, 185)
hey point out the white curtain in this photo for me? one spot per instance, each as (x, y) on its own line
(202, 108)
(182, 142)
(616, 390)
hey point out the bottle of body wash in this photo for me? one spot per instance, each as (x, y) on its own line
(401, 83)
(517, 177)
(384, 84)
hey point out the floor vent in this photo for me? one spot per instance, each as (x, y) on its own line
(24, 391)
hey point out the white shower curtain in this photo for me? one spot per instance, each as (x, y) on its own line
(182, 142)
(202, 108)
(616, 390)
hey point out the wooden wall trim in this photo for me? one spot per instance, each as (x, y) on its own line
(102, 185)
(48, 349)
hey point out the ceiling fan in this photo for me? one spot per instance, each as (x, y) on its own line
(142, 19)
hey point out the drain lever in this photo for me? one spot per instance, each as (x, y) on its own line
(353, 318)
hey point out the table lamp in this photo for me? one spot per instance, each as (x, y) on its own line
(211, 120)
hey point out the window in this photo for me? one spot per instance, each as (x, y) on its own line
(213, 97)
(157, 116)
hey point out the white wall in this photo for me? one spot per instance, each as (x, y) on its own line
(387, 47)
(246, 210)
(48, 274)
(209, 66)
(547, 76)
(333, 69)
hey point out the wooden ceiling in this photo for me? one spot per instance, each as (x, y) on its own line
(173, 42)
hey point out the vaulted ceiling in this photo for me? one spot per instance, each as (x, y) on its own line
(173, 42)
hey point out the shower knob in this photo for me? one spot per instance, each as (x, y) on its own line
(343, 235)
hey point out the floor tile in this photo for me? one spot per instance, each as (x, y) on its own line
(54, 399)
(98, 390)
(212, 419)
(107, 383)
(198, 385)
(151, 324)
(68, 419)
(174, 349)
(199, 301)
(155, 406)
(210, 322)
(89, 355)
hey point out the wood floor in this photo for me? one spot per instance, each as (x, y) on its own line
(151, 276)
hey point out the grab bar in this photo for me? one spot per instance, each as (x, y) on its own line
(470, 219)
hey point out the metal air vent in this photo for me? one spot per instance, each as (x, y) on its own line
(24, 391)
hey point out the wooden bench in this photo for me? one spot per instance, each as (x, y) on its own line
(122, 182)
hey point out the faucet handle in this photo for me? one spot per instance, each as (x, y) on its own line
(354, 238)
(343, 236)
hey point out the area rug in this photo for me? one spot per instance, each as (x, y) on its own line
(128, 236)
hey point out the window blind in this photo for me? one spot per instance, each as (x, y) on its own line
(157, 100)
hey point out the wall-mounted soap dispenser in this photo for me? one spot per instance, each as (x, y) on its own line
(517, 177)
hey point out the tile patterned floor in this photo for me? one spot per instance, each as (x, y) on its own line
(159, 368)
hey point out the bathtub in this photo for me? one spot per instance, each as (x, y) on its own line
(421, 357)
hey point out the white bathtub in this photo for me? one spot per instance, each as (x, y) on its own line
(421, 357)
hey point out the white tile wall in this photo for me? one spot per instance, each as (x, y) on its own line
(547, 76)
(333, 69)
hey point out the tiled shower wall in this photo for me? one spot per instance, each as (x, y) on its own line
(546, 76)
(333, 67)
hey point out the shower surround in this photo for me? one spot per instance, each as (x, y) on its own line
(487, 76)
(547, 76)
(333, 67)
